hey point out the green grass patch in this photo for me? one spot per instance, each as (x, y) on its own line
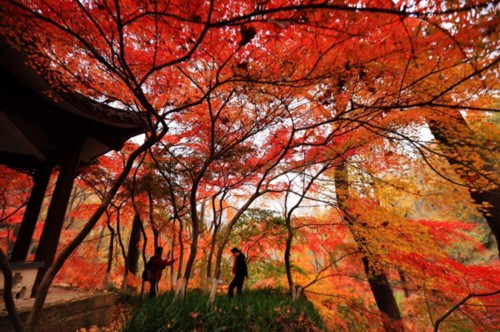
(257, 310)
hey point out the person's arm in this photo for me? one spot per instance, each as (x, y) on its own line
(166, 262)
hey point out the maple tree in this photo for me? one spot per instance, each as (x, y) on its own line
(377, 278)
(13, 200)
(476, 164)
(444, 233)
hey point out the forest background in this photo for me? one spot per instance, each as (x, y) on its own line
(349, 149)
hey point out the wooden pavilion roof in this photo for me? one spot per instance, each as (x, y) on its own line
(36, 129)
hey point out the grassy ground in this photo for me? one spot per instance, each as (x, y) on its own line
(258, 310)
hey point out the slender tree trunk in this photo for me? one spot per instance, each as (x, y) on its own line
(218, 261)
(217, 272)
(384, 297)
(36, 310)
(181, 252)
(191, 258)
(143, 253)
(213, 243)
(101, 241)
(402, 277)
(225, 240)
(171, 267)
(288, 249)
(459, 141)
(110, 255)
(217, 220)
(7, 293)
(379, 284)
(133, 245)
(156, 236)
(295, 290)
(124, 253)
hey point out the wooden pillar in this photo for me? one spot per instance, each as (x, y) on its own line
(41, 180)
(51, 233)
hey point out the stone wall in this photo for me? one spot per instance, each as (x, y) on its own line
(70, 315)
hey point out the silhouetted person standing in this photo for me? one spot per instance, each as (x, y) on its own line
(157, 266)
(239, 271)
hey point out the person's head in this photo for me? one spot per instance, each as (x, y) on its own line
(158, 250)
(235, 251)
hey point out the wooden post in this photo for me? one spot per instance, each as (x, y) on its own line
(51, 233)
(41, 180)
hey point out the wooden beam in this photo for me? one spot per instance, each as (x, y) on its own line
(18, 139)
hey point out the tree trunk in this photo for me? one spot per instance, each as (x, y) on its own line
(210, 257)
(156, 236)
(124, 253)
(133, 245)
(36, 311)
(173, 282)
(7, 293)
(288, 266)
(217, 272)
(110, 255)
(143, 253)
(181, 253)
(217, 220)
(225, 240)
(379, 285)
(190, 261)
(459, 141)
(384, 297)
(195, 232)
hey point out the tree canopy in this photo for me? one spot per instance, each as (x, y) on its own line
(340, 129)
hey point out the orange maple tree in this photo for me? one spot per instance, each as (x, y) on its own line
(240, 93)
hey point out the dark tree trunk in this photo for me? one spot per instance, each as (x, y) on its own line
(156, 236)
(384, 297)
(379, 284)
(122, 247)
(458, 140)
(181, 249)
(10, 305)
(133, 245)
(288, 249)
(110, 255)
(217, 216)
(210, 258)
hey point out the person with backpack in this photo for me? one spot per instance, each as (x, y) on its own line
(153, 270)
(239, 271)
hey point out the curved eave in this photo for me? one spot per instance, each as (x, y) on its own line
(36, 129)
(16, 63)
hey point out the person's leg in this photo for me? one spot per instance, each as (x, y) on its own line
(230, 290)
(239, 285)
(153, 289)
